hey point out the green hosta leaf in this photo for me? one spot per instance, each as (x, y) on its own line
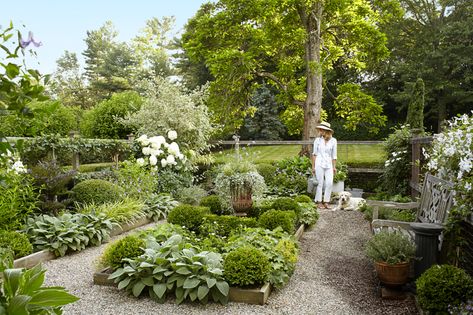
(124, 283)
(193, 295)
(183, 271)
(145, 264)
(191, 283)
(138, 288)
(149, 281)
(36, 279)
(223, 287)
(12, 280)
(117, 273)
(179, 295)
(202, 292)
(160, 289)
(52, 297)
(211, 282)
(18, 305)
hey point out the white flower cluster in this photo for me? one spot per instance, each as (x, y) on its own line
(157, 149)
(395, 156)
(13, 162)
(451, 155)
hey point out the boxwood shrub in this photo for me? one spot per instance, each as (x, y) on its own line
(130, 246)
(97, 191)
(442, 286)
(18, 243)
(214, 203)
(273, 218)
(189, 216)
(246, 266)
(223, 225)
(303, 199)
(286, 204)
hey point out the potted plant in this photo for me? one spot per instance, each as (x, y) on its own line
(237, 182)
(340, 177)
(391, 253)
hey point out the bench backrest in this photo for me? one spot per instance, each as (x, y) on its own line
(435, 201)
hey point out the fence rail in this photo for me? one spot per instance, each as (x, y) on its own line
(284, 142)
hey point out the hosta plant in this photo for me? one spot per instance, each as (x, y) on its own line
(174, 266)
(22, 292)
(67, 232)
(157, 206)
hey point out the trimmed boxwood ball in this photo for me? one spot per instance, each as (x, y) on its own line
(97, 191)
(442, 286)
(273, 218)
(188, 216)
(267, 171)
(130, 246)
(286, 204)
(246, 266)
(213, 203)
(303, 199)
(18, 243)
(224, 225)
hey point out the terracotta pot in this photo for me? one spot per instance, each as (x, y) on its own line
(392, 275)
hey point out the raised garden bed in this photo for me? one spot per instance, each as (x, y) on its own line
(45, 255)
(251, 296)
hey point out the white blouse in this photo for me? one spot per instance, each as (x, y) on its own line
(325, 152)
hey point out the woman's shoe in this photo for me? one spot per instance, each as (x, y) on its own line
(326, 206)
(320, 206)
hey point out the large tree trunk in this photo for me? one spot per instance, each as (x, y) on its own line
(313, 104)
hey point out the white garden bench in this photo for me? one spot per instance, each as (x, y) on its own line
(433, 206)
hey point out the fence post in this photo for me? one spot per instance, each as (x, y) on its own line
(415, 160)
(75, 155)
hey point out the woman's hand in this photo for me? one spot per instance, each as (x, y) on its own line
(334, 170)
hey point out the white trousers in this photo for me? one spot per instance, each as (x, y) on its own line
(325, 179)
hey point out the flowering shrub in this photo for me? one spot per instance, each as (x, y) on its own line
(12, 162)
(396, 174)
(451, 158)
(157, 152)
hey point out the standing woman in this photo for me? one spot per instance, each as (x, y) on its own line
(324, 160)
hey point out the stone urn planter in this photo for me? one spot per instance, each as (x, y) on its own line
(241, 197)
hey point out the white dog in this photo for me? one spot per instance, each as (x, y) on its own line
(347, 202)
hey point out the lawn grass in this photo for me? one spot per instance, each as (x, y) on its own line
(352, 154)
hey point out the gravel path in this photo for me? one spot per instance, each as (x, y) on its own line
(333, 276)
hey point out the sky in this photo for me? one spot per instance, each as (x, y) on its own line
(63, 24)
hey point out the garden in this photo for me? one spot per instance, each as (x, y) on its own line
(117, 195)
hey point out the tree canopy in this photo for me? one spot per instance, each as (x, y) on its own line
(289, 44)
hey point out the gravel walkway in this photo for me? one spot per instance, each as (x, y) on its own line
(333, 276)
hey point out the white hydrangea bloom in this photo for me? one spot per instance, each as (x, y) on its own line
(171, 160)
(146, 151)
(141, 161)
(174, 148)
(153, 160)
(164, 162)
(172, 135)
(143, 140)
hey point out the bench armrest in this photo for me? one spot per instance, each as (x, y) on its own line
(389, 204)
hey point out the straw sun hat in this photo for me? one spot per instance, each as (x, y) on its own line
(325, 126)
